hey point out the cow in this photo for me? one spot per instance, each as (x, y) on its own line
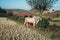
(33, 20)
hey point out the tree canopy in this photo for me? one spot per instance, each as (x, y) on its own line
(41, 4)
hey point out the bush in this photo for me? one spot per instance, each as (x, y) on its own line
(43, 24)
(10, 14)
(21, 20)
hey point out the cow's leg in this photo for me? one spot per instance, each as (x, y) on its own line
(33, 24)
(27, 24)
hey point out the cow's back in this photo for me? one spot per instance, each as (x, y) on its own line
(29, 20)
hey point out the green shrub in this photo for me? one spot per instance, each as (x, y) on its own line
(21, 20)
(43, 24)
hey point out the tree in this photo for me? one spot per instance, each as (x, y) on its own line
(0, 8)
(3, 13)
(41, 5)
(52, 9)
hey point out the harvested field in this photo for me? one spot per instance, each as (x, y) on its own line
(9, 30)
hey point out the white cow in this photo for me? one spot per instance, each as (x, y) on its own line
(32, 20)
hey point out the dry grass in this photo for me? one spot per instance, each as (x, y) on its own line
(9, 30)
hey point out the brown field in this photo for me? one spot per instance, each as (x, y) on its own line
(9, 30)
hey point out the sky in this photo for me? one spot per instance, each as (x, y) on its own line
(22, 4)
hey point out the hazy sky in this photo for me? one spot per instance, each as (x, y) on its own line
(21, 4)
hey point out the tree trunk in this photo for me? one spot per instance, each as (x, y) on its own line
(40, 15)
